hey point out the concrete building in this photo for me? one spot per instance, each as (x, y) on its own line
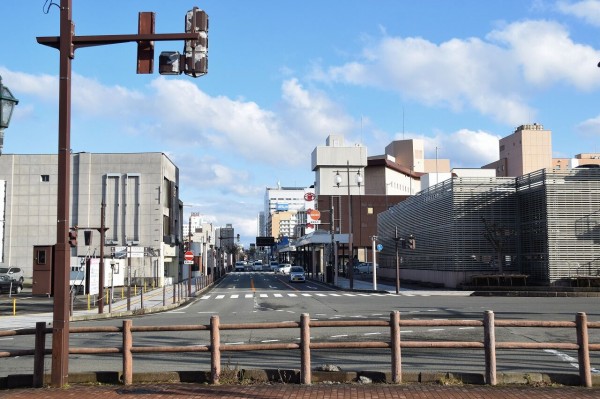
(142, 209)
(527, 149)
(285, 210)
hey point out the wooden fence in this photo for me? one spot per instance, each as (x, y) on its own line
(489, 345)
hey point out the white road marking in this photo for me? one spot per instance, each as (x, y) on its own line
(270, 340)
(292, 295)
(339, 336)
(220, 297)
(373, 333)
(235, 296)
(248, 295)
(436, 329)
(205, 297)
(278, 295)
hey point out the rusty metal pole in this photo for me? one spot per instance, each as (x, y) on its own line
(583, 352)
(127, 356)
(305, 372)
(489, 343)
(396, 353)
(215, 350)
(60, 324)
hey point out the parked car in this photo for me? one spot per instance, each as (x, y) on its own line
(274, 265)
(15, 273)
(365, 268)
(240, 266)
(284, 268)
(297, 274)
(6, 285)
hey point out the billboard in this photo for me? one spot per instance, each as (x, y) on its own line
(265, 241)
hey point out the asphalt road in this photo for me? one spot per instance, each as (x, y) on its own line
(264, 297)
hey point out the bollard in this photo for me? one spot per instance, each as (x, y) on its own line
(14, 306)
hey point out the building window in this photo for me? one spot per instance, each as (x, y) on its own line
(45, 178)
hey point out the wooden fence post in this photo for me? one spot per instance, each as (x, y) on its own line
(40, 351)
(305, 372)
(215, 350)
(583, 352)
(489, 343)
(127, 356)
(396, 353)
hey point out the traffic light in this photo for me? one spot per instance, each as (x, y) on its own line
(196, 51)
(169, 63)
(412, 244)
(73, 237)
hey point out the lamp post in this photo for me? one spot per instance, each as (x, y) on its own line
(7, 105)
(338, 182)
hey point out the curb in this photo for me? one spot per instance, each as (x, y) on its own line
(292, 376)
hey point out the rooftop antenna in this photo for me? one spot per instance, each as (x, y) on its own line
(402, 122)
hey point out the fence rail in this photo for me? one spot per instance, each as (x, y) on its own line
(305, 346)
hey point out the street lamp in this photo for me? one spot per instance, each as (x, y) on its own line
(338, 181)
(7, 105)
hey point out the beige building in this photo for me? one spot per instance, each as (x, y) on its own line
(527, 150)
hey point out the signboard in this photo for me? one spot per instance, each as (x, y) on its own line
(282, 207)
(94, 277)
(188, 258)
(127, 252)
(265, 241)
(313, 215)
(379, 247)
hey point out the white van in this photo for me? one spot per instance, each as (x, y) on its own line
(258, 266)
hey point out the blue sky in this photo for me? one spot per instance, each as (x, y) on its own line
(285, 74)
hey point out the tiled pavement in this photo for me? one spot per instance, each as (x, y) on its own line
(294, 391)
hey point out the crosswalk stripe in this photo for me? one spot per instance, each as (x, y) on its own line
(248, 295)
(235, 296)
(264, 296)
(220, 297)
(292, 295)
(278, 295)
(306, 295)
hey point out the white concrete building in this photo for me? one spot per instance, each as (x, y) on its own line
(142, 209)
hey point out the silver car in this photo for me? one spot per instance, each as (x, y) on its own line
(297, 274)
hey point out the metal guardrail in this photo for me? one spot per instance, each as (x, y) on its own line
(489, 344)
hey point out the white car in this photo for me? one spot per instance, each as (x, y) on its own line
(258, 266)
(240, 266)
(297, 274)
(284, 268)
(274, 265)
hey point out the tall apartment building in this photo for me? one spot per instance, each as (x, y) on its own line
(140, 193)
(284, 209)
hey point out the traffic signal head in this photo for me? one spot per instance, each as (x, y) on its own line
(411, 242)
(73, 237)
(196, 51)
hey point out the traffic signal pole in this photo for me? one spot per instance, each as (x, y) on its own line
(67, 43)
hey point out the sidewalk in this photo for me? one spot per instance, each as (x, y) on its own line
(293, 391)
(385, 287)
(152, 302)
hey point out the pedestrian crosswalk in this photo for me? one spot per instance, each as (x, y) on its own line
(282, 295)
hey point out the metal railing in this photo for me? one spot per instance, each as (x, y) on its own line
(489, 345)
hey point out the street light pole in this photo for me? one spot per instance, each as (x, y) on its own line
(7, 104)
(338, 181)
(397, 239)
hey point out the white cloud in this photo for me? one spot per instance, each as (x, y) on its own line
(586, 10)
(590, 127)
(494, 76)
(547, 55)
(465, 148)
